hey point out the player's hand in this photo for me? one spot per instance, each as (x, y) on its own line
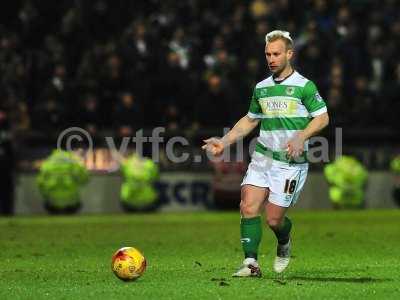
(295, 146)
(213, 145)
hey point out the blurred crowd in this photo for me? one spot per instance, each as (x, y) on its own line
(123, 65)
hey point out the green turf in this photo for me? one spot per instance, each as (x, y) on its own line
(336, 255)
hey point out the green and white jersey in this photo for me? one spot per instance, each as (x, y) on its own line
(284, 108)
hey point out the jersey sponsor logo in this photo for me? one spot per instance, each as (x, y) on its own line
(274, 105)
(245, 240)
(278, 107)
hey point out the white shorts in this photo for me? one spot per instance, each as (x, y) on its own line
(284, 181)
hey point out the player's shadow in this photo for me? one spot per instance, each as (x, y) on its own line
(340, 279)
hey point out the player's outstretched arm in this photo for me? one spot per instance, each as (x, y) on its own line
(242, 128)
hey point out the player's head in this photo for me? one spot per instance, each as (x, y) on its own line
(278, 50)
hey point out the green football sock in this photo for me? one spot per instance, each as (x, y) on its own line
(250, 232)
(283, 232)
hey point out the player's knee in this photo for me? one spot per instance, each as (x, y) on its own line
(274, 223)
(247, 209)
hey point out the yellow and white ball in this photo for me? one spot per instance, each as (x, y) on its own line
(128, 263)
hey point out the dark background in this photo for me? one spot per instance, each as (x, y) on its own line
(124, 65)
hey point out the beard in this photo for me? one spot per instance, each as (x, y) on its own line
(277, 71)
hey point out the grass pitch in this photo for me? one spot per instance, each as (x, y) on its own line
(336, 255)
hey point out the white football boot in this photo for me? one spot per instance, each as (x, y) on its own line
(282, 257)
(249, 268)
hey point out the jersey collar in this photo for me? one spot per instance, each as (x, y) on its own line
(282, 80)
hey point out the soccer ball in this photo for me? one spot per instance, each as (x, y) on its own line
(128, 263)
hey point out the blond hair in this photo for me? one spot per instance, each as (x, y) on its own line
(279, 35)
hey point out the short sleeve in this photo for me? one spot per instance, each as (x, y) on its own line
(312, 100)
(255, 111)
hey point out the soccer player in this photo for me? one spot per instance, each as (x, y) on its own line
(289, 110)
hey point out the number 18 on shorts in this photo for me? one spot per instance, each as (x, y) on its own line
(285, 182)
